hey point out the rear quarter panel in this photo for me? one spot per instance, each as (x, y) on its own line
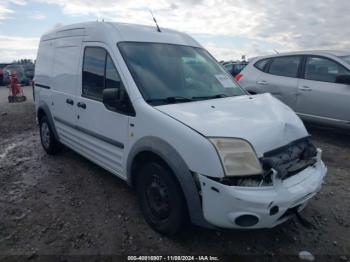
(249, 77)
(43, 71)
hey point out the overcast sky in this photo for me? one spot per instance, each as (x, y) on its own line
(227, 28)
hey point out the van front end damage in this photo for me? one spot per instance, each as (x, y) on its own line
(279, 195)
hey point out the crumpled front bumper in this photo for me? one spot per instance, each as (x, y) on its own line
(227, 206)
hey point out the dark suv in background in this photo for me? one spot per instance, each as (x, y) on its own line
(2, 66)
(20, 73)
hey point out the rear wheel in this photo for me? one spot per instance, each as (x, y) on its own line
(48, 140)
(161, 198)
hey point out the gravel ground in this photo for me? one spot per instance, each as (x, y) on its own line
(66, 205)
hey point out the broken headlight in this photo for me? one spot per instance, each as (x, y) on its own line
(237, 156)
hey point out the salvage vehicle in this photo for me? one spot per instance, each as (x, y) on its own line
(234, 68)
(315, 84)
(18, 70)
(154, 108)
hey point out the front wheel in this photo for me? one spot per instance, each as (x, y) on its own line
(48, 140)
(161, 199)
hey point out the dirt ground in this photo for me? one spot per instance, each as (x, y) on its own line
(66, 205)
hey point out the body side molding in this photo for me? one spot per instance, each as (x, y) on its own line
(90, 133)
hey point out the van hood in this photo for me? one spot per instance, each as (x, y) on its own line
(262, 120)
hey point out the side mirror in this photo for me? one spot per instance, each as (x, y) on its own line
(111, 97)
(343, 79)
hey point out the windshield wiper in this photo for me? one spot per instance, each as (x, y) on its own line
(182, 99)
(170, 99)
(209, 97)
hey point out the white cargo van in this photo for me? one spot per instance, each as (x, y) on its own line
(156, 109)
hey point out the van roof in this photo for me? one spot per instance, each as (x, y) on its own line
(120, 32)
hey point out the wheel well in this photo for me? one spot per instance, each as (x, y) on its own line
(142, 158)
(41, 114)
(148, 156)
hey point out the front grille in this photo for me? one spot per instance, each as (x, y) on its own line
(290, 159)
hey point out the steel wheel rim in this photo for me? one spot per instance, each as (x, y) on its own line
(45, 135)
(157, 198)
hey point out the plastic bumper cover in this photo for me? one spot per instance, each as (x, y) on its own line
(224, 206)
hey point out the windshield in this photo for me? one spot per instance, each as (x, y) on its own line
(346, 58)
(166, 73)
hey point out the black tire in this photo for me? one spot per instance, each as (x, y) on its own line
(161, 199)
(48, 140)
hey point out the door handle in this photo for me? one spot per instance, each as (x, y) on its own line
(305, 88)
(82, 105)
(69, 101)
(263, 82)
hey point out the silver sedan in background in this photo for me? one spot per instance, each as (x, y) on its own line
(315, 84)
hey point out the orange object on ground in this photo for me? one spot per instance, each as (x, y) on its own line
(16, 91)
(16, 88)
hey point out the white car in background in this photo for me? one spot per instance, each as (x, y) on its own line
(154, 108)
(315, 84)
